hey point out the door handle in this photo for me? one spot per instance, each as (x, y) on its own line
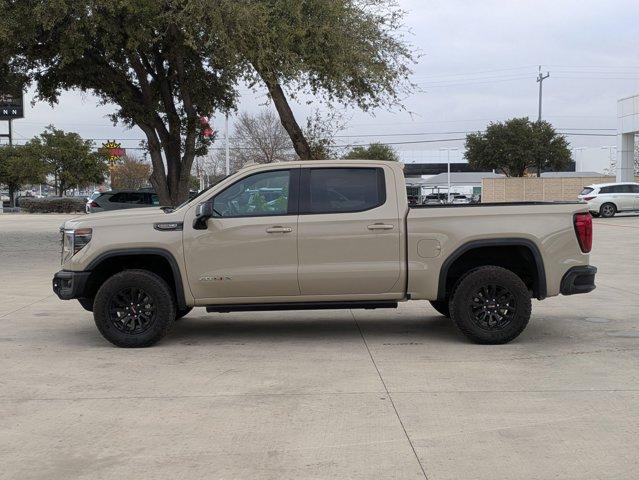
(279, 229)
(381, 226)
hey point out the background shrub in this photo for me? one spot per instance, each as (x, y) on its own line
(53, 204)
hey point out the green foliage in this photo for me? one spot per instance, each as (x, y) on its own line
(375, 151)
(53, 204)
(68, 158)
(516, 147)
(351, 51)
(19, 167)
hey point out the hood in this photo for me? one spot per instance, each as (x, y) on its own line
(128, 216)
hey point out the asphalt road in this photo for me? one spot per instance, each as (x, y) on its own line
(318, 395)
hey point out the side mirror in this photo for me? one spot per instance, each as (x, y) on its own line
(203, 212)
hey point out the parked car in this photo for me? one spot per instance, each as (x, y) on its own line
(121, 199)
(90, 199)
(322, 235)
(435, 199)
(607, 199)
(460, 199)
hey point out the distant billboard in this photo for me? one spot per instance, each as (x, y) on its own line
(11, 106)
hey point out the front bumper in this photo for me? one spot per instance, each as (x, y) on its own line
(579, 280)
(68, 284)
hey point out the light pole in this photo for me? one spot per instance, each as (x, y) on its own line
(226, 144)
(448, 169)
(578, 153)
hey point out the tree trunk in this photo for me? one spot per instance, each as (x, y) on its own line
(287, 118)
(12, 196)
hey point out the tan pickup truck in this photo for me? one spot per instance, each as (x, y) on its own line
(322, 235)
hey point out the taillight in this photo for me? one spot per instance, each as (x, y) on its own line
(94, 205)
(587, 199)
(583, 229)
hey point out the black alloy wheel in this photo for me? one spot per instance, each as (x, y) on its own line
(132, 310)
(493, 307)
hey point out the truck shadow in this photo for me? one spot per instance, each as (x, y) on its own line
(216, 328)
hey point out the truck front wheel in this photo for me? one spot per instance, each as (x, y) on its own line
(134, 308)
(491, 305)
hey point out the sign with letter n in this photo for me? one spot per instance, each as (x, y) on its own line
(11, 106)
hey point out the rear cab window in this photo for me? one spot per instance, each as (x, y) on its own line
(342, 189)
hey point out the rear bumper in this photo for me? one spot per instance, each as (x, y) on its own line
(579, 280)
(68, 285)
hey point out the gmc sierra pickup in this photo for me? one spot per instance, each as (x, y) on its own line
(322, 235)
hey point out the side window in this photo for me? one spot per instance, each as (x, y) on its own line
(625, 188)
(136, 198)
(118, 198)
(634, 188)
(261, 194)
(342, 190)
(606, 190)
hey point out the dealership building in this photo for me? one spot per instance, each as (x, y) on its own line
(627, 128)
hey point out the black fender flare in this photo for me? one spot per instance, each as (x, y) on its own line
(542, 288)
(168, 256)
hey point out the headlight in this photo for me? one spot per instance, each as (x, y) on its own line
(73, 241)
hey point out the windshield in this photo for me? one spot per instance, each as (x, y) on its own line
(199, 194)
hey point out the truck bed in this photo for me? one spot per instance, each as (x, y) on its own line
(437, 233)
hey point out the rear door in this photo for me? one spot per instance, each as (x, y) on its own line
(349, 232)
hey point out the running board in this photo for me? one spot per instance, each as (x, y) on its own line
(263, 307)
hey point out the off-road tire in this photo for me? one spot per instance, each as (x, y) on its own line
(183, 312)
(161, 299)
(512, 310)
(441, 306)
(608, 210)
(87, 303)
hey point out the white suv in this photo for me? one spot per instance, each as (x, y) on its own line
(606, 199)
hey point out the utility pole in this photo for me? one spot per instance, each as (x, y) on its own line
(10, 132)
(540, 80)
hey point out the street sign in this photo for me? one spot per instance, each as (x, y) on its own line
(11, 106)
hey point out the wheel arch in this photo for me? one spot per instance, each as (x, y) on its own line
(469, 254)
(156, 260)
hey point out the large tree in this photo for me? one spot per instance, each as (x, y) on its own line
(130, 173)
(374, 151)
(348, 51)
(68, 159)
(517, 147)
(19, 167)
(165, 63)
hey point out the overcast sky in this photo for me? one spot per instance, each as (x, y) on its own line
(479, 64)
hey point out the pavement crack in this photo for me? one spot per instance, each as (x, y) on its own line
(390, 397)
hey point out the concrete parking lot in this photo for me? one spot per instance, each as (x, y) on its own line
(309, 395)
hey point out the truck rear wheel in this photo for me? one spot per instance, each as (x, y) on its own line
(134, 308)
(441, 306)
(491, 305)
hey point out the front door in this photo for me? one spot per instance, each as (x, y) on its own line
(249, 248)
(349, 231)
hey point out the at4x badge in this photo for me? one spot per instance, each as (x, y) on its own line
(215, 278)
